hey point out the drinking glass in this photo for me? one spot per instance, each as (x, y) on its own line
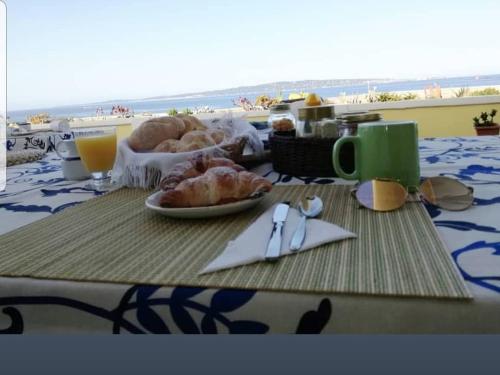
(97, 150)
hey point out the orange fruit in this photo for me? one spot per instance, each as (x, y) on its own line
(312, 100)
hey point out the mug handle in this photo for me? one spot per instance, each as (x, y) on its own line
(336, 157)
(56, 149)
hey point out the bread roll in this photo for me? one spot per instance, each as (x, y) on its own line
(154, 131)
(168, 145)
(195, 140)
(191, 123)
(217, 135)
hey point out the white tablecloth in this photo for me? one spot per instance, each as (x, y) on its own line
(37, 190)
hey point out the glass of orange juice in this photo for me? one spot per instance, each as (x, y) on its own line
(97, 150)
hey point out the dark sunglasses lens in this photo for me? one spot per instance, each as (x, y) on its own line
(381, 195)
(447, 193)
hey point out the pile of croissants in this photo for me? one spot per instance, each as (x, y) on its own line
(208, 181)
(180, 133)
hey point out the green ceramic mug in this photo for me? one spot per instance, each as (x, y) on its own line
(383, 149)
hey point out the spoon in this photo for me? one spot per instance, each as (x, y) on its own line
(308, 207)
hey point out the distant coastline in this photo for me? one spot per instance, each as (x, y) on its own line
(340, 89)
(279, 86)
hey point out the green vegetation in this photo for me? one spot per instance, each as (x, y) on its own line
(392, 97)
(486, 91)
(460, 93)
(187, 111)
(410, 96)
(387, 97)
(172, 112)
(483, 120)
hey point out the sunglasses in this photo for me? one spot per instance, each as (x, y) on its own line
(388, 195)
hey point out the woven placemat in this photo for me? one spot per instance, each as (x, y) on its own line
(114, 238)
(24, 156)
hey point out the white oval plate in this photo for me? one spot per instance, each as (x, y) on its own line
(201, 212)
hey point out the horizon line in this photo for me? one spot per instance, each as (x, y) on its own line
(181, 95)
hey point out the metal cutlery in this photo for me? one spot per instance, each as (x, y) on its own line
(308, 207)
(279, 217)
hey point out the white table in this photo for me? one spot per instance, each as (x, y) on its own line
(37, 190)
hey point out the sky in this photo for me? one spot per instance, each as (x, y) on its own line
(63, 52)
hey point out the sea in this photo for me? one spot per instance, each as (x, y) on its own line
(226, 101)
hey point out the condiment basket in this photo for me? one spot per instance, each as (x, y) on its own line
(307, 157)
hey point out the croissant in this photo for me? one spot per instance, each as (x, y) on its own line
(194, 168)
(152, 132)
(217, 185)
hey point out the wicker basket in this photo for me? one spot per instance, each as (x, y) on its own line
(311, 157)
(235, 149)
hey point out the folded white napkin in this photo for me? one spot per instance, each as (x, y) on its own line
(250, 246)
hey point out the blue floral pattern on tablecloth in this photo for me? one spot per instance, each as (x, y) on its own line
(37, 190)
